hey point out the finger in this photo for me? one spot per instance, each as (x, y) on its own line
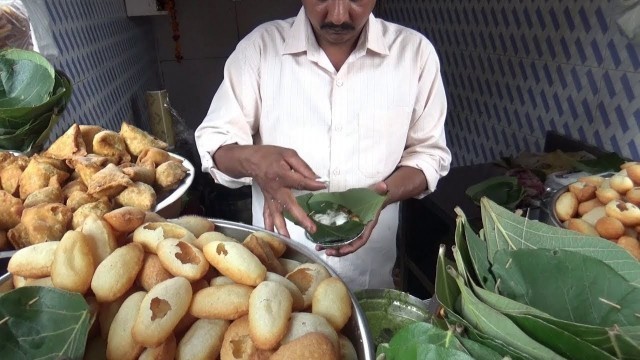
(297, 181)
(380, 188)
(301, 216)
(266, 214)
(280, 224)
(346, 249)
(300, 166)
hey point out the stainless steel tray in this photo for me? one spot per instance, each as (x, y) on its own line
(357, 329)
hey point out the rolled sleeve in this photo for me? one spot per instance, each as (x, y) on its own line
(426, 147)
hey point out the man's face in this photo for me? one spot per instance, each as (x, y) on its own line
(338, 22)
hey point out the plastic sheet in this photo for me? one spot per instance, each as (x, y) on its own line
(15, 29)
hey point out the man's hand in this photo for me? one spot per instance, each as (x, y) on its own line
(380, 188)
(276, 170)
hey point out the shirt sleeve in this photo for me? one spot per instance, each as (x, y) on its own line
(426, 147)
(233, 116)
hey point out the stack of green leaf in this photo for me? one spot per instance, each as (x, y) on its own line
(527, 290)
(32, 97)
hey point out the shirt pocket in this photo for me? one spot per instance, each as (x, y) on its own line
(382, 136)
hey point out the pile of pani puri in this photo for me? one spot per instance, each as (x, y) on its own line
(178, 289)
(605, 207)
(87, 171)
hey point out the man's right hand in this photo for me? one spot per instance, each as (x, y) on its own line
(276, 170)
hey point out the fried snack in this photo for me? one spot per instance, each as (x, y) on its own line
(56, 163)
(197, 225)
(610, 228)
(161, 310)
(583, 191)
(277, 246)
(595, 180)
(150, 216)
(10, 210)
(120, 343)
(100, 238)
(46, 222)
(72, 267)
(633, 196)
(116, 274)
(106, 314)
(139, 195)
(566, 206)
(6, 159)
(98, 208)
(589, 205)
(627, 213)
(312, 346)
(307, 277)
(87, 166)
(236, 262)
(68, 145)
(581, 226)
(182, 259)
(269, 311)
(125, 219)
(150, 235)
(203, 340)
(88, 132)
(79, 198)
(347, 350)
(108, 182)
(631, 245)
(303, 323)
(237, 344)
(143, 174)
(289, 264)
(606, 194)
(187, 320)
(154, 157)
(73, 186)
(37, 175)
(110, 144)
(18, 236)
(49, 194)
(10, 177)
(296, 295)
(152, 272)
(621, 183)
(33, 261)
(222, 280)
(633, 172)
(262, 250)
(165, 351)
(227, 302)
(169, 175)
(331, 300)
(211, 236)
(137, 139)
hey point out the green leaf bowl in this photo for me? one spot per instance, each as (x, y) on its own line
(363, 202)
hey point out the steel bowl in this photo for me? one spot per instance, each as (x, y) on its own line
(356, 329)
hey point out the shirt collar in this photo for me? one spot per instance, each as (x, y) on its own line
(300, 36)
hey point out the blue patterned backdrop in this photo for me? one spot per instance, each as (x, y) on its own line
(515, 69)
(110, 58)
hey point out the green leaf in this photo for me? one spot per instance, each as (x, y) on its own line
(363, 202)
(506, 230)
(479, 351)
(540, 327)
(626, 342)
(601, 164)
(424, 341)
(495, 325)
(478, 254)
(585, 290)
(27, 78)
(504, 190)
(43, 323)
(447, 291)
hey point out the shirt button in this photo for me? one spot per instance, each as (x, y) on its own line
(336, 171)
(339, 82)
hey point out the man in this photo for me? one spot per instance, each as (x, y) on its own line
(332, 93)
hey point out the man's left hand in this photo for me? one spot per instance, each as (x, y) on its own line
(380, 188)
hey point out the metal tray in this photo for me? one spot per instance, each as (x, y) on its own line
(168, 198)
(357, 329)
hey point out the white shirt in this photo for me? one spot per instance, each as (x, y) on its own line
(385, 108)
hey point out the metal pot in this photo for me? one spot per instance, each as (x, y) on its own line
(357, 329)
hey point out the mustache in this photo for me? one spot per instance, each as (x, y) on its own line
(332, 26)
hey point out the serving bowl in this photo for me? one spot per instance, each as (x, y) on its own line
(356, 329)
